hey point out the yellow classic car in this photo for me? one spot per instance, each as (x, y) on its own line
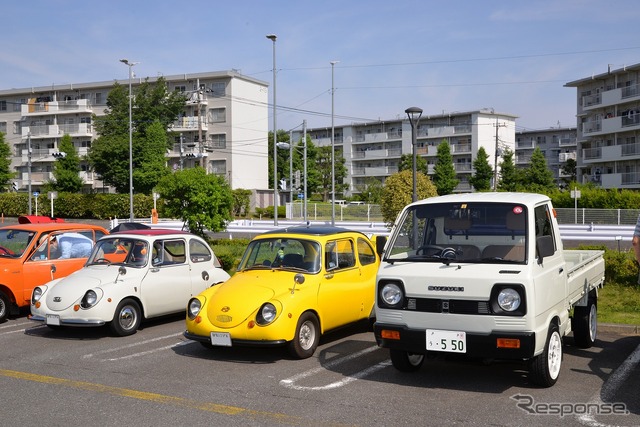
(291, 286)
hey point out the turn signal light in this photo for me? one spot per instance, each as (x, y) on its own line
(38, 304)
(251, 324)
(390, 335)
(76, 307)
(508, 343)
(198, 319)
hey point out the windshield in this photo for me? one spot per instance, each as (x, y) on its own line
(13, 243)
(294, 254)
(460, 232)
(129, 252)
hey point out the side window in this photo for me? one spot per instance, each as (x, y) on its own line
(174, 252)
(339, 254)
(71, 245)
(198, 251)
(544, 230)
(366, 254)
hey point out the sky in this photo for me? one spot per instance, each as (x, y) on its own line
(511, 56)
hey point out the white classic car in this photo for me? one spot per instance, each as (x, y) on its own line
(130, 276)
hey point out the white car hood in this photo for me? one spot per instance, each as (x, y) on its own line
(71, 289)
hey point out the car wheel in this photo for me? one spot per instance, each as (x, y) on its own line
(544, 369)
(585, 324)
(126, 319)
(404, 361)
(307, 336)
(4, 307)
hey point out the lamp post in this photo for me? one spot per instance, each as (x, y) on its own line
(333, 163)
(414, 114)
(273, 38)
(29, 169)
(130, 65)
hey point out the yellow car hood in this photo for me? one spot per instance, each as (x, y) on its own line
(241, 296)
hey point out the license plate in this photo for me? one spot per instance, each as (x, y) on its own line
(53, 320)
(221, 339)
(447, 341)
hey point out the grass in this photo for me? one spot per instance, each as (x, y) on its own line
(619, 304)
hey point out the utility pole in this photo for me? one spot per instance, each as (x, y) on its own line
(200, 143)
(495, 165)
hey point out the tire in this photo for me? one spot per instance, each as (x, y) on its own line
(126, 319)
(404, 361)
(544, 369)
(4, 307)
(585, 324)
(307, 336)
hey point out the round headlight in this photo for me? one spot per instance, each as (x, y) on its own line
(194, 308)
(509, 299)
(266, 314)
(90, 299)
(391, 294)
(37, 294)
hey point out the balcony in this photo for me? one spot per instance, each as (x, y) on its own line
(371, 137)
(563, 157)
(34, 108)
(525, 144)
(188, 123)
(56, 131)
(611, 97)
(462, 167)
(375, 171)
(460, 148)
(376, 154)
(628, 121)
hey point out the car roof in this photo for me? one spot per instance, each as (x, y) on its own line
(152, 232)
(312, 230)
(54, 226)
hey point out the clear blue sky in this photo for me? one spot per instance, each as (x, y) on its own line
(512, 56)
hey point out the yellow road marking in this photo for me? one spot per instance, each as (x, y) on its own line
(155, 397)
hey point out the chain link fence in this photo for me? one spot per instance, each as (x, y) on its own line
(372, 213)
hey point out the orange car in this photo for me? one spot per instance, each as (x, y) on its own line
(33, 253)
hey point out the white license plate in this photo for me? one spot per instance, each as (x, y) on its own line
(221, 339)
(447, 341)
(53, 320)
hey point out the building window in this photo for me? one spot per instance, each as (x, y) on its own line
(99, 97)
(218, 141)
(218, 89)
(180, 88)
(217, 115)
(3, 105)
(3, 127)
(17, 106)
(219, 167)
(17, 127)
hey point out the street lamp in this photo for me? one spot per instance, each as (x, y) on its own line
(333, 163)
(29, 169)
(130, 65)
(273, 38)
(414, 114)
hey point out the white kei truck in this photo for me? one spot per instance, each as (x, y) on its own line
(486, 275)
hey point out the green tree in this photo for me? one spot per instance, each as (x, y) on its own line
(406, 163)
(241, 202)
(537, 177)
(509, 179)
(370, 191)
(481, 179)
(569, 172)
(5, 164)
(398, 192)
(323, 163)
(66, 169)
(444, 174)
(204, 201)
(109, 153)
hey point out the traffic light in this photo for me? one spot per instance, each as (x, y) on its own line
(14, 186)
(283, 184)
(60, 155)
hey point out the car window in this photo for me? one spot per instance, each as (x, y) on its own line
(198, 251)
(13, 243)
(339, 254)
(169, 252)
(366, 254)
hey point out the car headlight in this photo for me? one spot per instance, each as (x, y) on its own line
(509, 299)
(38, 291)
(193, 308)
(392, 294)
(89, 299)
(266, 314)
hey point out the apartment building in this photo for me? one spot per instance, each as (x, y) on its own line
(608, 128)
(223, 128)
(556, 144)
(373, 149)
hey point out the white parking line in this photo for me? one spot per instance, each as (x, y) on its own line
(13, 325)
(21, 330)
(610, 386)
(124, 347)
(144, 353)
(290, 382)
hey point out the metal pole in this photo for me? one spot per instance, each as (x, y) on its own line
(291, 168)
(181, 151)
(304, 139)
(412, 112)
(130, 65)
(29, 169)
(273, 38)
(333, 166)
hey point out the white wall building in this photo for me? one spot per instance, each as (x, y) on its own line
(374, 149)
(608, 122)
(224, 127)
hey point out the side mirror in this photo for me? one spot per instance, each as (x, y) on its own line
(380, 242)
(544, 247)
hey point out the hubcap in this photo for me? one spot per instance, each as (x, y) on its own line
(127, 317)
(307, 335)
(593, 322)
(554, 355)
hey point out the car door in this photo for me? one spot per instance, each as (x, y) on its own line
(339, 294)
(166, 287)
(202, 268)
